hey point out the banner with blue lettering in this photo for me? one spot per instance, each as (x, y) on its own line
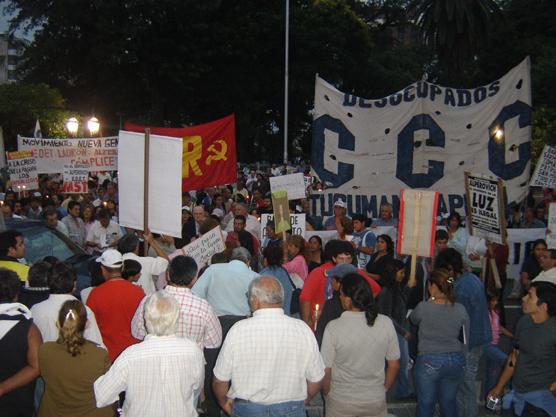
(424, 136)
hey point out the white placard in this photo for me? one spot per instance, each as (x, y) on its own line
(297, 222)
(417, 223)
(551, 237)
(545, 171)
(203, 248)
(485, 208)
(165, 176)
(22, 167)
(99, 154)
(294, 184)
(75, 179)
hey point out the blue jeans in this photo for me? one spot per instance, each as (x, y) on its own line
(495, 360)
(402, 380)
(437, 378)
(467, 393)
(244, 408)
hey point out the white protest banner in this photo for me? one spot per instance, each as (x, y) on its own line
(422, 137)
(22, 168)
(164, 185)
(294, 184)
(545, 171)
(297, 222)
(417, 223)
(75, 179)
(485, 207)
(99, 154)
(551, 237)
(203, 248)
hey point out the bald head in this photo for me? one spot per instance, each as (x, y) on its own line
(265, 292)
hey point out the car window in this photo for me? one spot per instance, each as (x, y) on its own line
(41, 242)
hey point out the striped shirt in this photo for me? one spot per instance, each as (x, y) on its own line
(197, 320)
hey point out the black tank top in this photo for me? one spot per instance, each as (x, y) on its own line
(13, 351)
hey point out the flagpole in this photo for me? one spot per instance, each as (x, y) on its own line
(286, 82)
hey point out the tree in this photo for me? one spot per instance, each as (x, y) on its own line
(22, 104)
(455, 28)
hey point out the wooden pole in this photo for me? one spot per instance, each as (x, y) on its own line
(413, 264)
(146, 191)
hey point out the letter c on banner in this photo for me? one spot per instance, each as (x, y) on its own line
(404, 168)
(497, 147)
(346, 141)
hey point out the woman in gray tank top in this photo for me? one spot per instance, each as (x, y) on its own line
(443, 330)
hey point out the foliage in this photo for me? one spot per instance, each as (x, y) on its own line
(22, 104)
(182, 62)
(457, 29)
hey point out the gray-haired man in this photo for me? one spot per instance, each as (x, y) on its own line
(162, 375)
(272, 360)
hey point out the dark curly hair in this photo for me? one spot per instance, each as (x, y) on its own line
(358, 289)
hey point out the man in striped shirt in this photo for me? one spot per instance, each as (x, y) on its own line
(197, 320)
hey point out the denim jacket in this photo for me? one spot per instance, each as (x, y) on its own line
(469, 291)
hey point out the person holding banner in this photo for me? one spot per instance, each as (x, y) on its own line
(383, 255)
(531, 267)
(457, 234)
(339, 212)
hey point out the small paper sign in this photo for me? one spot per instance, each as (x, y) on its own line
(22, 167)
(281, 211)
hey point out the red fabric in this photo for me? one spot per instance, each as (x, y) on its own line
(207, 172)
(114, 304)
(313, 288)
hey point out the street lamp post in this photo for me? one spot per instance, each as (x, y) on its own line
(93, 126)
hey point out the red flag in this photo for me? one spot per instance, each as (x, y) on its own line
(209, 151)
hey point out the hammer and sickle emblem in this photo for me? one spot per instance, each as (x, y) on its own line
(217, 154)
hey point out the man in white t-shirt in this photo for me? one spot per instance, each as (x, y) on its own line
(547, 262)
(151, 267)
(104, 233)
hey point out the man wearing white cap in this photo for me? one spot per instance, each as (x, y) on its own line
(339, 211)
(114, 304)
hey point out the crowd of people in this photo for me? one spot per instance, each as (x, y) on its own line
(273, 321)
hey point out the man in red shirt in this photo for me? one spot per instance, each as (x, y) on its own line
(314, 290)
(114, 304)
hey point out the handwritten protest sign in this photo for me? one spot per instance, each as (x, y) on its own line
(485, 203)
(76, 179)
(22, 168)
(293, 184)
(297, 222)
(99, 154)
(551, 237)
(545, 171)
(203, 248)
(281, 211)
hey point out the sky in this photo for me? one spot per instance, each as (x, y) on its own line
(4, 25)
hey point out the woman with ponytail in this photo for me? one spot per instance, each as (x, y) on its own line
(70, 366)
(443, 331)
(354, 349)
